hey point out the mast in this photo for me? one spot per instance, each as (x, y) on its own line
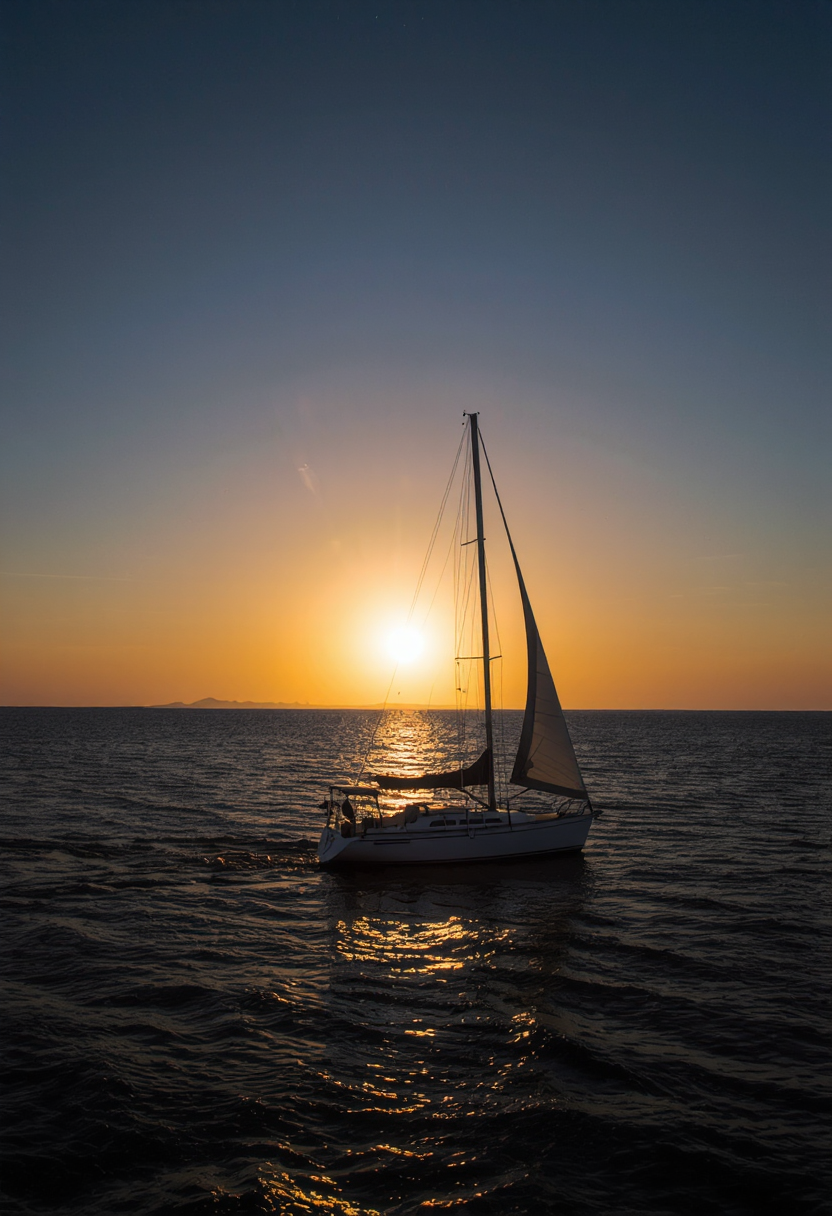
(486, 651)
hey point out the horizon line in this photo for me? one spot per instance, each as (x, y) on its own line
(299, 706)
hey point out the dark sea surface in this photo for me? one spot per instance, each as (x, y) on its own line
(196, 1019)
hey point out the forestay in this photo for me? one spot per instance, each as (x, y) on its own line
(545, 758)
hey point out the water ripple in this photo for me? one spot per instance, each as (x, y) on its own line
(198, 1020)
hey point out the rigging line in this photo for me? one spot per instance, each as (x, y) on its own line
(467, 592)
(459, 527)
(493, 610)
(500, 767)
(500, 505)
(419, 582)
(503, 514)
(508, 533)
(455, 568)
(466, 621)
(500, 723)
(467, 618)
(467, 561)
(459, 523)
(456, 533)
(456, 576)
(438, 582)
(462, 561)
(435, 531)
(377, 725)
(460, 578)
(468, 625)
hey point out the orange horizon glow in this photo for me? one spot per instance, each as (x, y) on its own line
(289, 592)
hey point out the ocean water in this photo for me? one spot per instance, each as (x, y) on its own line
(196, 1019)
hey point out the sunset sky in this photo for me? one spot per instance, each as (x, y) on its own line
(260, 257)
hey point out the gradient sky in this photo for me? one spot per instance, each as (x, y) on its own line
(259, 257)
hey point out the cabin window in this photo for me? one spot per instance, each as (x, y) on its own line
(438, 823)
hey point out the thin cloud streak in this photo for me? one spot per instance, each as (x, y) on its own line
(94, 578)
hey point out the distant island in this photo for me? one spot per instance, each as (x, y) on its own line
(213, 703)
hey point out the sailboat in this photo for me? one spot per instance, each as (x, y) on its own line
(359, 831)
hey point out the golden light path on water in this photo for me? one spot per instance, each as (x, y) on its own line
(428, 954)
(414, 981)
(405, 981)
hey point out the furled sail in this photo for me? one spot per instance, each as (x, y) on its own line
(474, 774)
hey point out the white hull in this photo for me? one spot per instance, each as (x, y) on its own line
(421, 843)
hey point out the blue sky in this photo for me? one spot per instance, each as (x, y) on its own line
(245, 237)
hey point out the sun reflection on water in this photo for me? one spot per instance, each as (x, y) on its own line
(409, 743)
(426, 948)
(433, 1008)
(284, 1194)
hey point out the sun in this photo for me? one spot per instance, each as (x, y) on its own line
(404, 644)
